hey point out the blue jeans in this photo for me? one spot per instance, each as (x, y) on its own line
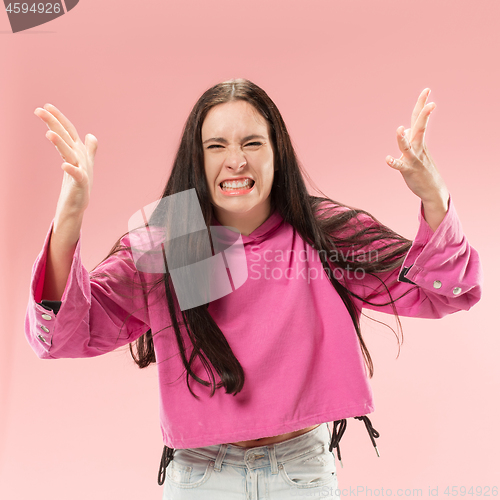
(298, 468)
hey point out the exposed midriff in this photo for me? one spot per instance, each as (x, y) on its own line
(273, 439)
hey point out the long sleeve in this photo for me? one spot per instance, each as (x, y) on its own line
(441, 274)
(99, 311)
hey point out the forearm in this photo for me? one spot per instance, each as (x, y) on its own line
(63, 240)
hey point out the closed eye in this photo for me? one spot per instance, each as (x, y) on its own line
(256, 143)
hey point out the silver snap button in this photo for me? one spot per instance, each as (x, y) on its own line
(44, 328)
(41, 337)
(46, 316)
(457, 290)
(437, 284)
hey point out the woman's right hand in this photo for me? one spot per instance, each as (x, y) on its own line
(78, 160)
(74, 198)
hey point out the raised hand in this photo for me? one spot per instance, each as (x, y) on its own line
(78, 159)
(415, 164)
(73, 200)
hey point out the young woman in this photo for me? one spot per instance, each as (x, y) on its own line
(282, 334)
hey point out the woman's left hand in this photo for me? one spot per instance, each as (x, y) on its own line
(415, 164)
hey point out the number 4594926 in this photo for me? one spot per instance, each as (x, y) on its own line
(484, 491)
(40, 8)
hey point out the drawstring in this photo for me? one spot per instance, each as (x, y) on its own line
(336, 436)
(166, 458)
(342, 424)
(371, 431)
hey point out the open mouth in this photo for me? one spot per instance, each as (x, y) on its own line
(240, 185)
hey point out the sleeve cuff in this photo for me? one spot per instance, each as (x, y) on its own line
(427, 241)
(40, 316)
(442, 261)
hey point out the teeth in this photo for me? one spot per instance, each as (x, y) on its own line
(236, 184)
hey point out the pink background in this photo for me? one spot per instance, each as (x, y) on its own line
(345, 74)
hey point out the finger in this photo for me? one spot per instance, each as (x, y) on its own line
(63, 121)
(422, 99)
(421, 125)
(396, 164)
(406, 146)
(53, 124)
(91, 145)
(62, 147)
(408, 158)
(75, 172)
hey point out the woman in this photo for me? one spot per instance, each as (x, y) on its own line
(285, 339)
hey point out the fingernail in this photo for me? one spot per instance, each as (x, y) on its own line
(391, 160)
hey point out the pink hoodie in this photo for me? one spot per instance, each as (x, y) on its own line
(287, 326)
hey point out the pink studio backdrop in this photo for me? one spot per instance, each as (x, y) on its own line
(345, 75)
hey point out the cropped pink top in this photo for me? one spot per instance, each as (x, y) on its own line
(287, 326)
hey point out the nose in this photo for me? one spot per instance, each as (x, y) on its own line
(239, 167)
(235, 160)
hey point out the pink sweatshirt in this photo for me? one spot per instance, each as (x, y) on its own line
(287, 326)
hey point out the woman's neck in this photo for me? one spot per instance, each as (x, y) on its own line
(246, 222)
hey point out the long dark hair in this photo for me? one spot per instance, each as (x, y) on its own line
(319, 221)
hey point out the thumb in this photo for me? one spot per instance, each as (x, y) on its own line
(91, 144)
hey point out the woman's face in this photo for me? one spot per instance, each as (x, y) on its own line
(237, 146)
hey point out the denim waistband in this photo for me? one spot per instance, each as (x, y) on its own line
(261, 456)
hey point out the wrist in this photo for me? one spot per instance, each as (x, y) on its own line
(438, 201)
(435, 211)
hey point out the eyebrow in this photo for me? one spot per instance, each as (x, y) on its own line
(224, 141)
